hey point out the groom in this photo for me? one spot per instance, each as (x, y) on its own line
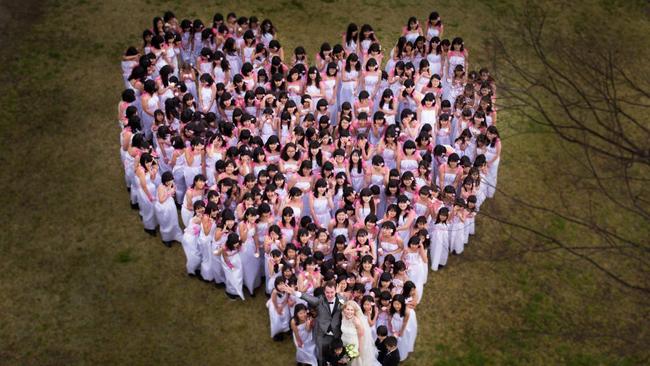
(328, 322)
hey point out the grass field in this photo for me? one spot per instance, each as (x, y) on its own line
(81, 283)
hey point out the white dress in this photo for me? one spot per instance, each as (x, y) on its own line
(388, 247)
(210, 160)
(493, 171)
(204, 243)
(456, 235)
(305, 187)
(406, 341)
(179, 178)
(168, 150)
(443, 136)
(322, 211)
(279, 322)
(129, 176)
(435, 63)
(340, 231)
(147, 120)
(235, 63)
(408, 164)
(416, 270)
(348, 88)
(357, 179)
(439, 249)
(428, 116)
(267, 131)
(186, 214)
(206, 100)
(314, 90)
(329, 88)
(470, 224)
(234, 276)
(449, 178)
(192, 252)
(167, 218)
(147, 207)
(389, 158)
(367, 349)
(370, 83)
(190, 171)
(403, 234)
(270, 274)
(251, 265)
(307, 353)
(215, 260)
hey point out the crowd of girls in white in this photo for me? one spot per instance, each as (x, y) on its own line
(296, 169)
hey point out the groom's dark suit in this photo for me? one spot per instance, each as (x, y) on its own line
(328, 324)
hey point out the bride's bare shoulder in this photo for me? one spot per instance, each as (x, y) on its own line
(357, 321)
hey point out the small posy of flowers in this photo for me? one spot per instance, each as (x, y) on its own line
(352, 351)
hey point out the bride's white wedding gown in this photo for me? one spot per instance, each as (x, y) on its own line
(367, 350)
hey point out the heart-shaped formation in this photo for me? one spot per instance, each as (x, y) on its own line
(333, 184)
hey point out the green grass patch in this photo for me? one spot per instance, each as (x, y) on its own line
(125, 256)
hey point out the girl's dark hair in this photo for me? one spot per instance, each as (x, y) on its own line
(348, 64)
(298, 308)
(232, 240)
(443, 211)
(352, 27)
(402, 311)
(407, 288)
(493, 129)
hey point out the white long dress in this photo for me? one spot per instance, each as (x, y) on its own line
(215, 259)
(235, 275)
(307, 353)
(186, 214)
(148, 120)
(357, 179)
(348, 88)
(406, 341)
(416, 270)
(204, 243)
(457, 235)
(129, 175)
(439, 249)
(207, 104)
(192, 253)
(190, 171)
(493, 171)
(367, 349)
(147, 207)
(270, 274)
(167, 218)
(251, 264)
(179, 178)
(279, 322)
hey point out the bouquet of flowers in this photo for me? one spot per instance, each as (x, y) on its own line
(352, 351)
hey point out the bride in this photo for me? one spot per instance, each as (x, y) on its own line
(355, 330)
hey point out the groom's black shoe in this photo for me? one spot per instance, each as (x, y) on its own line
(278, 337)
